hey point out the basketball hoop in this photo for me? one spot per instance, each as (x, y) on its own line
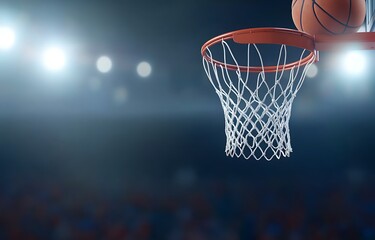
(257, 94)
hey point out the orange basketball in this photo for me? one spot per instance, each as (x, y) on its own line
(328, 16)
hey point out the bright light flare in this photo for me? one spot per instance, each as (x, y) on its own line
(54, 59)
(355, 62)
(7, 38)
(144, 69)
(104, 64)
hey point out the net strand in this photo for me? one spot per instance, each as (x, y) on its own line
(256, 115)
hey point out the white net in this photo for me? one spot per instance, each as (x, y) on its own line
(257, 105)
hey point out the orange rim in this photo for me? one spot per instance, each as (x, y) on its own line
(265, 36)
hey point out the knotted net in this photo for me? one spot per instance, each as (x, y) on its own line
(257, 103)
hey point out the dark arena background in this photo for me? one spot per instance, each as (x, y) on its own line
(132, 146)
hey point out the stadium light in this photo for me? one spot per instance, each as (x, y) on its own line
(354, 80)
(54, 59)
(7, 38)
(355, 62)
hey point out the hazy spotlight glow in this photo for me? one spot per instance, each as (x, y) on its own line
(313, 71)
(355, 62)
(120, 95)
(7, 38)
(104, 64)
(54, 58)
(144, 69)
(95, 84)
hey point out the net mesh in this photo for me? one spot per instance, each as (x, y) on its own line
(257, 105)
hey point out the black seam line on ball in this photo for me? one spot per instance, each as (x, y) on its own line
(294, 3)
(316, 16)
(350, 14)
(300, 16)
(333, 18)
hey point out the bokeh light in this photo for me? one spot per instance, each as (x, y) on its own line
(144, 69)
(313, 71)
(7, 38)
(104, 64)
(54, 59)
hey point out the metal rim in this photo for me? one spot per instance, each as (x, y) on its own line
(265, 36)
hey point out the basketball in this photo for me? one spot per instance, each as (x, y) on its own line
(328, 17)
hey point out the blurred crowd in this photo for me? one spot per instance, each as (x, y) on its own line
(204, 210)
